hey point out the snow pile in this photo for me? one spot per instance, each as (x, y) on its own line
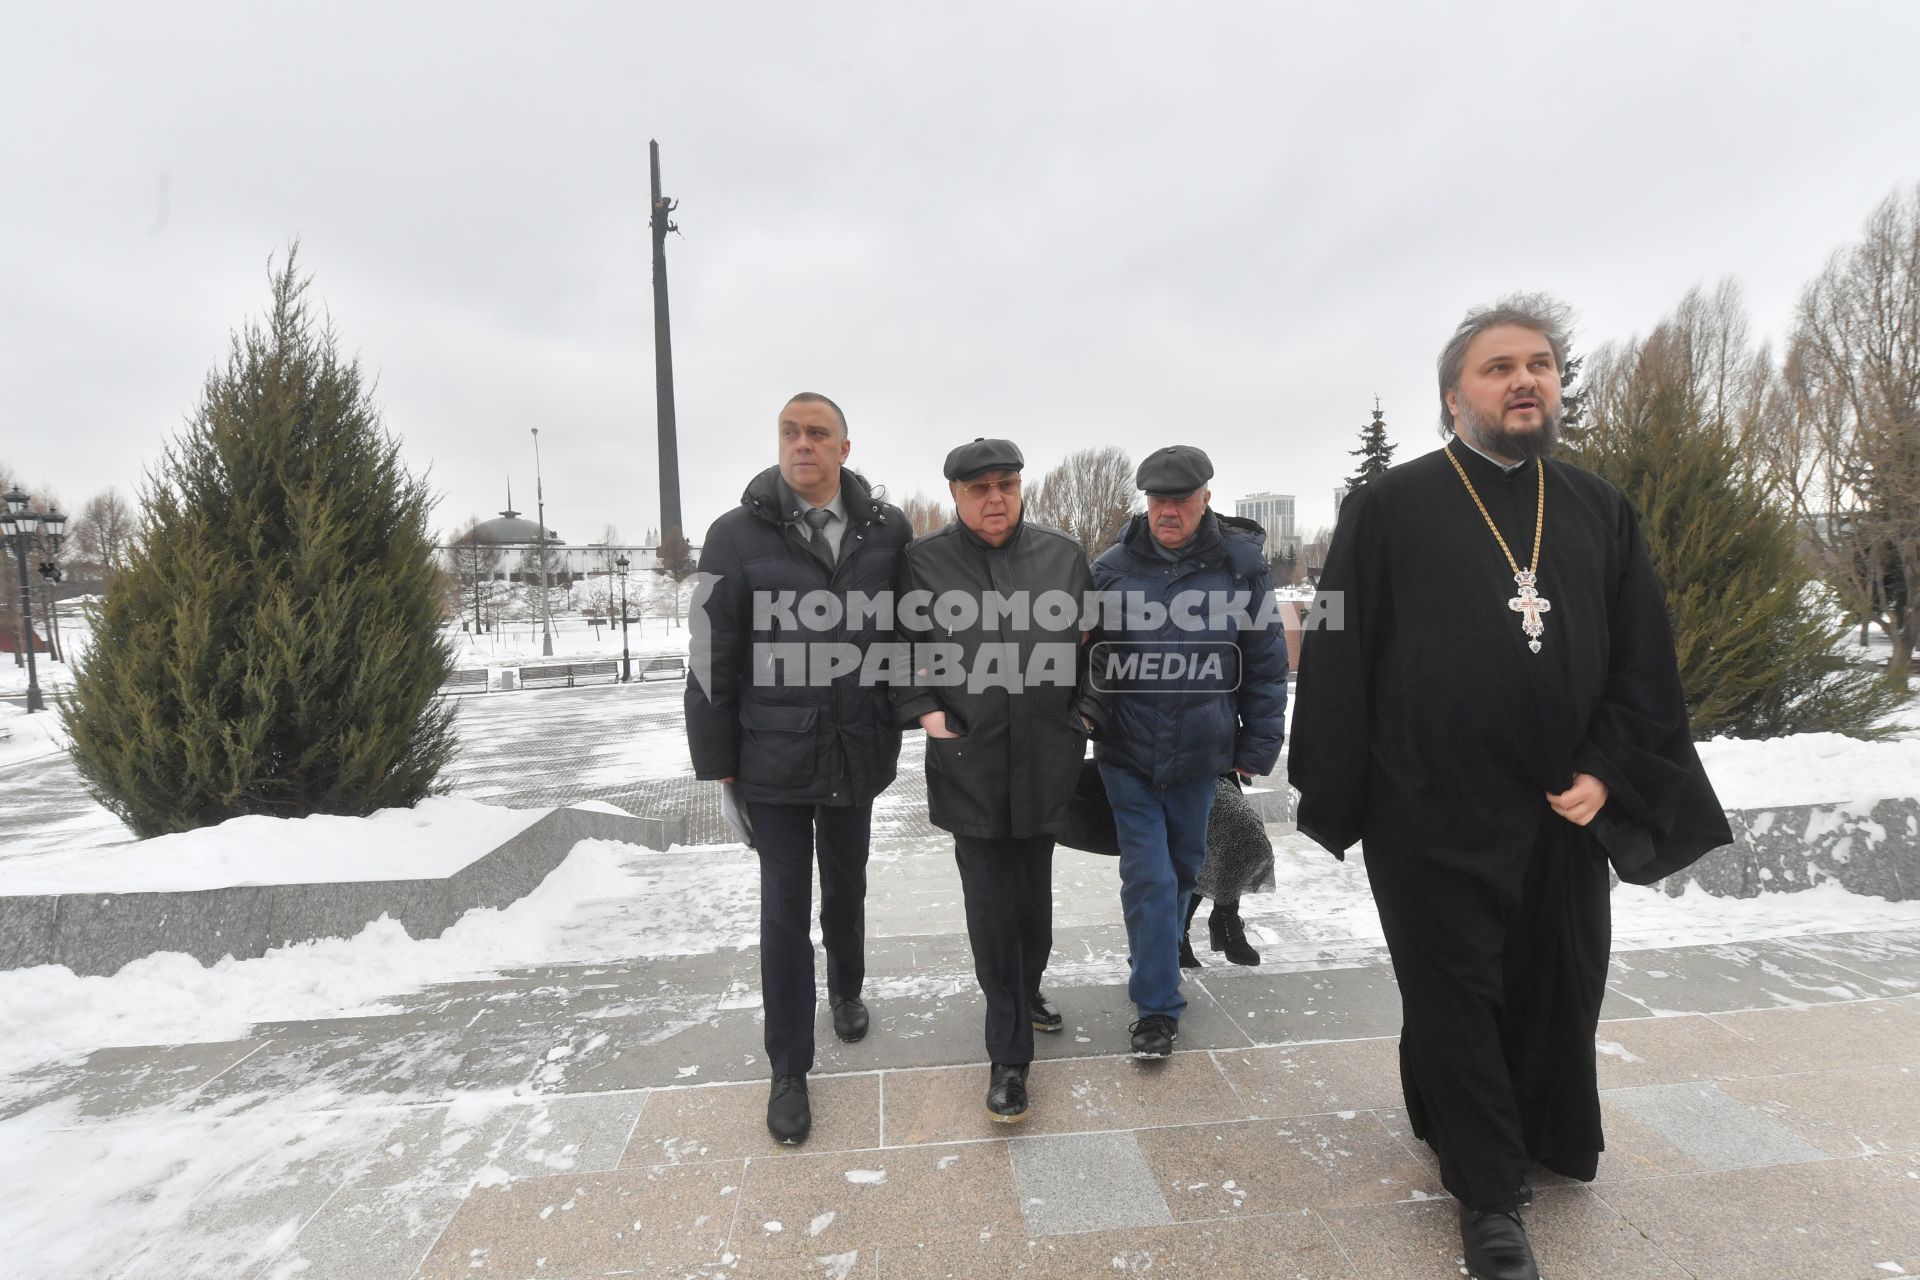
(52, 1015)
(1810, 768)
(26, 737)
(434, 839)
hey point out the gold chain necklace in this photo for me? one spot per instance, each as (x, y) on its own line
(1529, 604)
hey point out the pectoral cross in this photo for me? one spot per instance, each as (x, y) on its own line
(1530, 604)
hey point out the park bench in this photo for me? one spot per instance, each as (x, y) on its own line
(566, 674)
(668, 667)
(465, 682)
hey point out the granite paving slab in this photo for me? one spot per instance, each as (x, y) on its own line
(1725, 978)
(848, 1201)
(1304, 1079)
(1826, 1037)
(142, 1078)
(380, 1233)
(1858, 1112)
(1644, 1051)
(561, 1134)
(1293, 1246)
(414, 1148)
(1889, 957)
(1710, 1128)
(729, 1122)
(1272, 1166)
(1085, 1182)
(1822, 1221)
(1575, 1236)
(643, 1222)
(1321, 1004)
(1073, 1096)
(310, 1071)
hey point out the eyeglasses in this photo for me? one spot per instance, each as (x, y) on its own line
(979, 489)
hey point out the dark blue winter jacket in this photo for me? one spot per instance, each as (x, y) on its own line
(1192, 701)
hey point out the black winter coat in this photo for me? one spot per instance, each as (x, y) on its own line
(757, 720)
(1169, 737)
(1012, 771)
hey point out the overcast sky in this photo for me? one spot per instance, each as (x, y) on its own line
(1070, 224)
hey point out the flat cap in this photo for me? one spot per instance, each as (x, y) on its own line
(982, 454)
(1174, 471)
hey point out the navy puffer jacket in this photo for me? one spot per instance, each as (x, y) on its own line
(1177, 730)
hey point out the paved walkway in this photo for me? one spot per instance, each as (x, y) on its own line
(1762, 1105)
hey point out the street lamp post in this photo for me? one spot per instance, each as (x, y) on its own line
(626, 659)
(540, 542)
(19, 525)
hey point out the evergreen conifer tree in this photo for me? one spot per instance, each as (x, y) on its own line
(1573, 404)
(1375, 454)
(1754, 632)
(273, 645)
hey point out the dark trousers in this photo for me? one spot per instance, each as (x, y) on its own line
(1502, 964)
(789, 838)
(1008, 887)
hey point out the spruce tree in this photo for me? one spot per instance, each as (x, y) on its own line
(1754, 632)
(1375, 454)
(1573, 404)
(273, 645)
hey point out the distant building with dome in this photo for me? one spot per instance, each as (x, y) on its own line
(513, 542)
(510, 529)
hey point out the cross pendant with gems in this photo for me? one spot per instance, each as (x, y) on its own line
(1530, 604)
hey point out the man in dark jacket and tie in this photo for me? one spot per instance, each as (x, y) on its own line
(1195, 679)
(806, 742)
(993, 606)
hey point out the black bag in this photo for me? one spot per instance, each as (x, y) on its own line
(1090, 815)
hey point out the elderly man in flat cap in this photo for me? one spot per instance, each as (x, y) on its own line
(993, 607)
(1195, 685)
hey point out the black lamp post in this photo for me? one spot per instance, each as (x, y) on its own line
(20, 525)
(626, 660)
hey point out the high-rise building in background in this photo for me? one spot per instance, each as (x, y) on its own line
(1340, 496)
(1274, 513)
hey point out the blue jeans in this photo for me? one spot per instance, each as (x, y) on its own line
(1163, 841)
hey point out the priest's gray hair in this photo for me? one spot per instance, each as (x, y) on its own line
(1541, 312)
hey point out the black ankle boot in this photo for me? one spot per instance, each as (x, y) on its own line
(1226, 932)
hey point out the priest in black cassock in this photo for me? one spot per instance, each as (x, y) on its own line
(1491, 706)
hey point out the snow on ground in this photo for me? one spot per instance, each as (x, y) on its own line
(26, 737)
(610, 903)
(1811, 768)
(513, 644)
(53, 1015)
(432, 840)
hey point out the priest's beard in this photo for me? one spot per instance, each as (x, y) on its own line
(1489, 435)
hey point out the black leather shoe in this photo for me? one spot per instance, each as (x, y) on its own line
(1044, 1013)
(789, 1116)
(1007, 1092)
(1153, 1036)
(1227, 932)
(850, 1019)
(1495, 1245)
(1188, 960)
